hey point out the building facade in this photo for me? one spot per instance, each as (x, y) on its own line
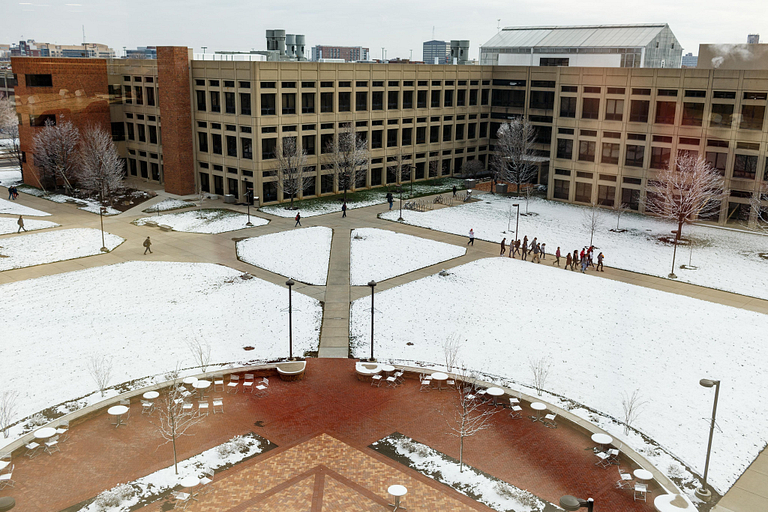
(348, 53)
(602, 133)
(436, 52)
(31, 48)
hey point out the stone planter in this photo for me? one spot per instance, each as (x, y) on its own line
(291, 371)
(365, 371)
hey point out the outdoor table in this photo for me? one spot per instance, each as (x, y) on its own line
(538, 407)
(387, 369)
(495, 393)
(643, 474)
(440, 377)
(201, 386)
(189, 482)
(45, 433)
(150, 395)
(602, 439)
(4, 464)
(189, 380)
(673, 503)
(398, 491)
(117, 411)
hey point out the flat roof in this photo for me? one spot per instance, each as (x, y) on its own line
(587, 36)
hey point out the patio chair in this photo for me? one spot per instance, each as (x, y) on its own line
(248, 382)
(641, 490)
(517, 412)
(202, 407)
(392, 381)
(218, 403)
(62, 430)
(400, 377)
(147, 406)
(513, 401)
(6, 479)
(52, 445)
(33, 449)
(181, 498)
(613, 456)
(450, 383)
(234, 380)
(376, 381)
(126, 402)
(604, 460)
(262, 389)
(206, 480)
(218, 383)
(186, 408)
(426, 382)
(624, 481)
(482, 394)
(549, 420)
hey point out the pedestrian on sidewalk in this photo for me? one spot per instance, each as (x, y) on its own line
(471, 237)
(584, 265)
(568, 262)
(454, 191)
(11, 193)
(344, 210)
(298, 219)
(20, 222)
(600, 258)
(536, 253)
(503, 246)
(557, 257)
(15, 192)
(517, 249)
(543, 251)
(147, 245)
(575, 258)
(524, 249)
(390, 199)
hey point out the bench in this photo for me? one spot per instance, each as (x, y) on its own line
(165, 227)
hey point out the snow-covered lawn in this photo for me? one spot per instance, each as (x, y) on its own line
(379, 254)
(726, 259)
(141, 315)
(603, 338)
(10, 176)
(9, 225)
(210, 221)
(300, 254)
(87, 205)
(16, 208)
(168, 205)
(65, 244)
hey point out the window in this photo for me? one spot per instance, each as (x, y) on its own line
(631, 198)
(307, 103)
(326, 143)
(472, 131)
(483, 130)
(142, 133)
(725, 95)
(722, 115)
(565, 149)
(268, 149)
(660, 157)
(614, 110)
(202, 142)
(459, 132)
(268, 105)
(635, 156)
(507, 98)
(200, 100)
(326, 102)
(583, 192)
(544, 100)
(150, 96)
(246, 145)
(745, 166)
(215, 102)
(665, 112)
(484, 97)
(421, 99)
(377, 100)
(567, 106)
(447, 133)
(229, 103)
(594, 90)
(245, 103)
(717, 160)
(667, 92)
(610, 153)
(590, 108)
(693, 113)
(393, 100)
(361, 101)
(216, 143)
(392, 138)
(345, 101)
(587, 151)
(435, 99)
(695, 94)
(553, 61)
(562, 189)
(289, 103)
(421, 135)
(152, 134)
(407, 135)
(461, 98)
(448, 98)
(38, 80)
(407, 99)
(752, 117)
(308, 144)
(128, 126)
(376, 139)
(606, 195)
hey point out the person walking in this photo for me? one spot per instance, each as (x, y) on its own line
(503, 246)
(524, 249)
(584, 265)
(20, 222)
(568, 262)
(517, 249)
(575, 258)
(454, 191)
(557, 258)
(471, 237)
(390, 199)
(536, 253)
(344, 210)
(298, 219)
(543, 251)
(147, 246)
(11, 193)
(600, 258)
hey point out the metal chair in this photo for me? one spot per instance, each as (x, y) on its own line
(426, 382)
(517, 412)
(399, 377)
(605, 460)
(392, 381)
(218, 403)
(549, 420)
(6, 479)
(218, 383)
(641, 490)
(52, 445)
(262, 388)
(234, 380)
(186, 408)
(376, 381)
(147, 406)
(248, 382)
(62, 430)
(32, 449)
(181, 498)
(202, 407)
(206, 480)
(624, 481)
(613, 456)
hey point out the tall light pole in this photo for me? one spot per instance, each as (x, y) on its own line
(572, 503)
(372, 284)
(517, 222)
(400, 219)
(705, 494)
(674, 255)
(248, 199)
(289, 283)
(102, 211)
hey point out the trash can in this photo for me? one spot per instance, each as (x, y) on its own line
(256, 201)
(470, 183)
(229, 199)
(7, 503)
(501, 188)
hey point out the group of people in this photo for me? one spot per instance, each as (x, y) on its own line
(538, 251)
(13, 192)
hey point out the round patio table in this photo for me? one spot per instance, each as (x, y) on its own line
(440, 377)
(398, 491)
(643, 474)
(387, 369)
(673, 503)
(201, 386)
(45, 433)
(118, 411)
(189, 380)
(538, 407)
(602, 439)
(150, 395)
(495, 392)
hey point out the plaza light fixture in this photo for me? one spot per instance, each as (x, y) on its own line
(248, 199)
(572, 503)
(372, 284)
(289, 283)
(517, 222)
(703, 493)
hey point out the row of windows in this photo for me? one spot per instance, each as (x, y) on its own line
(140, 132)
(137, 95)
(144, 169)
(343, 84)
(747, 95)
(606, 194)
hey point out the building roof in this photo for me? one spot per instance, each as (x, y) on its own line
(589, 36)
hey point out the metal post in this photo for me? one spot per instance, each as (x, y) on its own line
(674, 255)
(290, 283)
(248, 200)
(372, 284)
(102, 210)
(517, 222)
(704, 493)
(400, 219)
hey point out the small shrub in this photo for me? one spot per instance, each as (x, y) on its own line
(237, 444)
(114, 497)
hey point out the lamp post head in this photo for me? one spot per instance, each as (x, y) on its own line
(290, 283)
(707, 383)
(372, 283)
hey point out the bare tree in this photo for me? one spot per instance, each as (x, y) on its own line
(101, 170)
(686, 190)
(540, 369)
(201, 353)
(349, 154)
(513, 160)
(7, 409)
(632, 405)
(55, 148)
(470, 168)
(9, 126)
(100, 368)
(291, 168)
(758, 206)
(451, 347)
(619, 209)
(173, 422)
(592, 220)
(434, 168)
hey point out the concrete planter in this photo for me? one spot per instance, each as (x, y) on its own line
(291, 371)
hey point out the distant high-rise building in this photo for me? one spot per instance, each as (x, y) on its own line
(31, 48)
(348, 53)
(142, 52)
(753, 39)
(440, 50)
(690, 60)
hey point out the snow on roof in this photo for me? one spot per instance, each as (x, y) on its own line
(591, 36)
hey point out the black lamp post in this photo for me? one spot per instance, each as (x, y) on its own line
(372, 284)
(517, 221)
(102, 211)
(674, 254)
(248, 199)
(572, 503)
(400, 219)
(289, 283)
(705, 494)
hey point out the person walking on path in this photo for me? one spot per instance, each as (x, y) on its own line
(600, 258)
(390, 199)
(517, 249)
(20, 222)
(575, 258)
(543, 251)
(147, 246)
(298, 219)
(524, 249)
(12, 194)
(536, 253)
(471, 237)
(584, 265)
(557, 258)
(503, 246)
(454, 191)
(344, 210)
(568, 262)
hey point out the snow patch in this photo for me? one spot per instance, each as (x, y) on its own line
(65, 244)
(16, 208)
(208, 221)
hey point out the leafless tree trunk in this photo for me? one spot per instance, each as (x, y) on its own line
(350, 156)
(620, 209)
(172, 421)
(101, 170)
(201, 353)
(514, 152)
(9, 126)
(759, 206)
(451, 347)
(632, 405)
(592, 220)
(540, 369)
(7, 409)
(100, 368)
(434, 169)
(291, 168)
(470, 168)
(55, 149)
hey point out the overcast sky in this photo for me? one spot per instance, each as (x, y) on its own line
(397, 25)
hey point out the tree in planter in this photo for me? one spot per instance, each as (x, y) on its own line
(291, 162)
(7, 409)
(540, 369)
(55, 150)
(631, 405)
(100, 369)
(172, 421)
(592, 220)
(349, 155)
(757, 204)
(514, 152)
(101, 170)
(9, 126)
(399, 172)
(619, 209)
(471, 168)
(201, 353)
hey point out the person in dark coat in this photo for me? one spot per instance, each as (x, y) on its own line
(147, 244)
(298, 219)
(20, 222)
(575, 258)
(344, 210)
(557, 258)
(600, 258)
(568, 262)
(503, 246)
(454, 191)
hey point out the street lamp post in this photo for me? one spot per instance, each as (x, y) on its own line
(400, 219)
(372, 284)
(289, 283)
(102, 211)
(674, 255)
(517, 221)
(248, 199)
(705, 494)
(572, 503)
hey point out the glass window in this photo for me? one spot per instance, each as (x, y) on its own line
(631, 198)
(614, 110)
(665, 112)
(583, 192)
(377, 100)
(565, 149)
(693, 114)
(326, 102)
(268, 105)
(562, 189)
(152, 134)
(361, 101)
(745, 166)
(393, 100)
(407, 99)
(638, 111)
(447, 133)
(215, 101)
(216, 143)
(229, 103)
(142, 133)
(392, 138)
(448, 98)
(345, 101)
(722, 115)
(245, 103)
(660, 157)
(247, 148)
(590, 108)
(635, 156)
(610, 154)
(200, 102)
(752, 117)
(308, 144)
(435, 99)
(202, 142)
(472, 97)
(289, 103)
(567, 106)
(307, 103)
(717, 160)
(587, 151)
(268, 149)
(606, 195)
